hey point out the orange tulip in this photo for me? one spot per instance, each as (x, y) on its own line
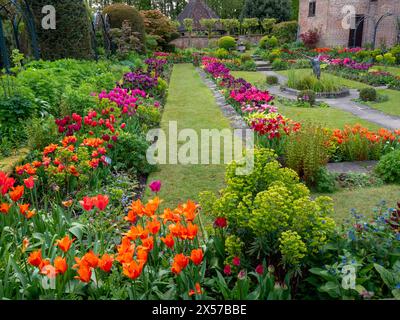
(142, 254)
(106, 262)
(148, 243)
(151, 207)
(168, 241)
(197, 256)
(5, 208)
(180, 263)
(60, 264)
(136, 232)
(35, 258)
(29, 214)
(192, 230)
(197, 291)
(133, 270)
(16, 193)
(91, 259)
(84, 274)
(136, 209)
(65, 243)
(153, 226)
(23, 208)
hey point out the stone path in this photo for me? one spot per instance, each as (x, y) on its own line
(346, 104)
(352, 167)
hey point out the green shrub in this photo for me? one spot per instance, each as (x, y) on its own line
(279, 64)
(395, 51)
(246, 57)
(269, 42)
(368, 94)
(119, 12)
(222, 53)
(388, 167)
(307, 96)
(307, 152)
(41, 132)
(71, 38)
(272, 80)
(227, 43)
(266, 206)
(325, 181)
(286, 32)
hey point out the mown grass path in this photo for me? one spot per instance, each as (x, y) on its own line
(191, 104)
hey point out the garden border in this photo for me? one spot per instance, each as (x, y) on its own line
(320, 95)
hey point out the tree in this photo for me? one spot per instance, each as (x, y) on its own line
(261, 9)
(249, 24)
(209, 24)
(230, 25)
(160, 27)
(188, 23)
(268, 24)
(226, 9)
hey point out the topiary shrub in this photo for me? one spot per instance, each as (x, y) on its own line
(269, 42)
(368, 94)
(119, 12)
(272, 80)
(227, 43)
(72, 30)
(388, 167)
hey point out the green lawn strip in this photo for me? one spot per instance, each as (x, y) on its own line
(392, 106)
(364, 200)
(191, 104)
(393, 70)
(329, 117)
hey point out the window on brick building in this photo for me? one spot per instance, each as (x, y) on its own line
(312, 8)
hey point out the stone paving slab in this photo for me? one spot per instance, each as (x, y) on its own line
(352, 167)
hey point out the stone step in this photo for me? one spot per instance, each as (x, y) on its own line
(264, 68)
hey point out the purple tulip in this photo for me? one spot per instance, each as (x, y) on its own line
(155, 186)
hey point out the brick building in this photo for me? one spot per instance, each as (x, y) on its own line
(329, 17)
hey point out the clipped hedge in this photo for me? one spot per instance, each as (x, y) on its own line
(71, 38)
(286, 31)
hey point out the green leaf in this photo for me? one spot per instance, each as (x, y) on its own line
(331, 288)
(396, 293)
(77, 230)
(387, 277)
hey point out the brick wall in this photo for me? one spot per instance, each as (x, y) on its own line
(329, 17)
